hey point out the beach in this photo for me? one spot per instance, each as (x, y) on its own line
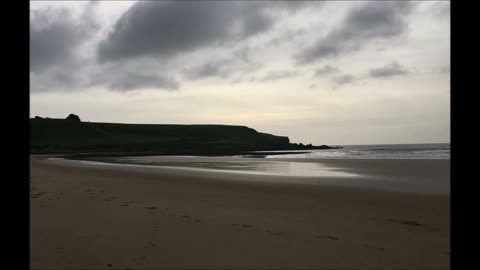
(87, 216)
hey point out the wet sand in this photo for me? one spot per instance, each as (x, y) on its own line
(112, 217)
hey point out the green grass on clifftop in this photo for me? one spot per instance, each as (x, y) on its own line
(67, 136)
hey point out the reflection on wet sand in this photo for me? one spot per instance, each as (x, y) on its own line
(241, 165)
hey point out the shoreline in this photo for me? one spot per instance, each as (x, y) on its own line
(425, 176)
(95, 216)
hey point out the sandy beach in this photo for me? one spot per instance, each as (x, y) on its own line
(84, 216)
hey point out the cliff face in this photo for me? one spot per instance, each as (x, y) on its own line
(60, 135)
(272, 140)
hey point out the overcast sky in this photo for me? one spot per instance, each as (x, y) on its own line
(333, 72)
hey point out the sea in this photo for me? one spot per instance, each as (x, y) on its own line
(375, 151)
(421, 168)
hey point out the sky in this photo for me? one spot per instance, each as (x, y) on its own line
(320, 72)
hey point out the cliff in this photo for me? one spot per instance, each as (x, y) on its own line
(66, 136)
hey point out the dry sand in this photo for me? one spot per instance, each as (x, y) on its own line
(102, 217)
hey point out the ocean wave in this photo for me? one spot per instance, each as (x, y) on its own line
(406, 149)
(377, 152)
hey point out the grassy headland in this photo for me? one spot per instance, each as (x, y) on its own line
(60, 136)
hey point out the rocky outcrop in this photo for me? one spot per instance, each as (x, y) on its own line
(73, 117)
(301, 146)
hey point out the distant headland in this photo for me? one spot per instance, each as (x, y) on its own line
(72, 136)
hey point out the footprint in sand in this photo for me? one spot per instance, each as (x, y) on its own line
(243, 225)
(151, 209)
(405, 222)
(37, 195)
(328, 236)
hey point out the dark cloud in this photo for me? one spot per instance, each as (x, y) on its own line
(50, 43)
(132, 81)
(56, 79)
(239, 63)
(157, 29)
(165, 29)
(277, 75)
(287, 35)
(292, 6)
(344, 79)
(117, 78)
(326, 70)
(392, 69)
(216, 68)
(160, 30)
(244, 54)
(56, 34)
(57, 37)
(373, 20)
(133, 75)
